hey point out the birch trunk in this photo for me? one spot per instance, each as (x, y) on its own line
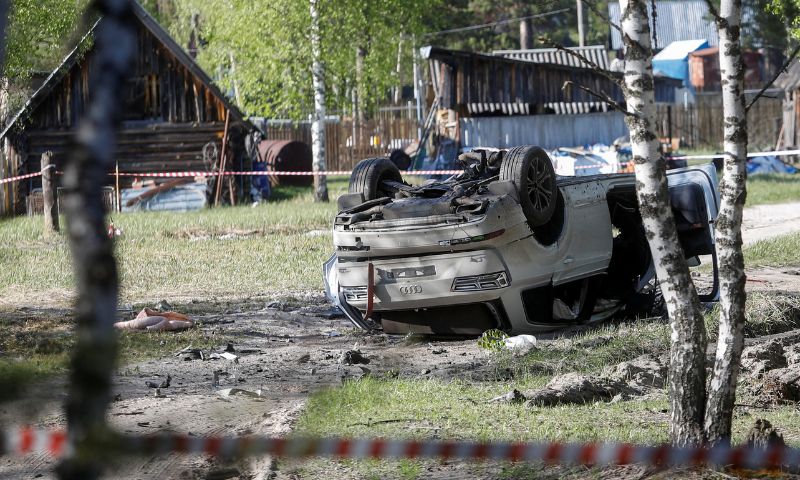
(318, 124)
(526, 34)
(688, 338)
(722, 391)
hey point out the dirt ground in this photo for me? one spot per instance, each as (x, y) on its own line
(284, 353)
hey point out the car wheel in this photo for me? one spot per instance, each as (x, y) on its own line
(531, 171)
(368, 176)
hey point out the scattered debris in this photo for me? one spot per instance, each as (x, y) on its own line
(425, 371)
(229, 347)
(764, 435)
(353, 357)
(156, 320)
(304, 358)
(229, 392)
(163, 306)
(520, 344)
(514, 396)
(438, 351)
(229, 356)
(164, 383)
(763, 357)
(574, 388)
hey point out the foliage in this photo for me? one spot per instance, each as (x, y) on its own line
(39, 34)
(265, 49)
(492, 340)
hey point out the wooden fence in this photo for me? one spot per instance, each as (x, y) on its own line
(346, 144)
(700, 125)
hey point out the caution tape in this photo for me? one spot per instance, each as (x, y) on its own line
(19, 177)
(26, 440)
(344, 173)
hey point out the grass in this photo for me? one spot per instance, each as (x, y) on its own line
(781, 251)
(225, 252)
(772, 188)
(457, 409)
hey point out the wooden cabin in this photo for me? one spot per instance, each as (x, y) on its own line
(173, 116)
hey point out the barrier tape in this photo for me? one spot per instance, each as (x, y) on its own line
(335, 173)
(27, 440)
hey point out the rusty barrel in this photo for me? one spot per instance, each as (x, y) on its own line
(287, 156)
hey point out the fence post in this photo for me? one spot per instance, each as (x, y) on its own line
(49, 194)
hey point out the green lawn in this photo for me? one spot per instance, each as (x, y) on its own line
(273, 248)
(773, 188)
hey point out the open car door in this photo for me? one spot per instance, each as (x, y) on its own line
(694, 195)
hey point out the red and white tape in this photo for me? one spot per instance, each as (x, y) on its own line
(26, 440)
(344, 173)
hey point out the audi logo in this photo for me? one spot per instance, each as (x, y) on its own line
(410, 289)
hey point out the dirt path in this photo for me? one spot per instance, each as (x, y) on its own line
(766, 221)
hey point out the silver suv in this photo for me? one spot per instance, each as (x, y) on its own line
(505, 244)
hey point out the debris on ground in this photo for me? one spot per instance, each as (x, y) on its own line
(156, 320)
(229, 356)
(229, 392)
(353, 357)
(163, 384)
(574, 388)
(190, 353)
(514, 396)
(763, 357)
(229, 347)
(520, 344)
(764, 435)
(626, 380)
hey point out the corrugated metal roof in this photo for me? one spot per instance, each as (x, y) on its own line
(680, 50)
(790, 79)
(595, 53)
(675, 20)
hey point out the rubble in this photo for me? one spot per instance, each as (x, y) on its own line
(764, 435)
(514, 396)
(353, 357)
(763, 357)
(164, 383)
(574, 388)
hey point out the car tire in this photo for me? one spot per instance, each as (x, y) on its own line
(530, 170)
(368, 176)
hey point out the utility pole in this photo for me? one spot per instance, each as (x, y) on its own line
(581, 37)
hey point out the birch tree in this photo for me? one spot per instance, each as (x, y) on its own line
(722, 390)
(688, 336)
(318, 124)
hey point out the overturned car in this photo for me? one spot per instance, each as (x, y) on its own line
(505, 244)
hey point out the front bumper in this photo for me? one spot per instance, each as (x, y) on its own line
(410, 283)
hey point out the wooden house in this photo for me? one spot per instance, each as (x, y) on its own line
(173, 116)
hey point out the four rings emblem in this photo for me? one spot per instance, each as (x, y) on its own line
(410, 289)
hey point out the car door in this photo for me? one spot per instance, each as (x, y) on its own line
(694, 194)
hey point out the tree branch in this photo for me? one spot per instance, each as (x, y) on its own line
(601, 96)
(721, 22)
(620, 83)
(774, 77)
(593, 7)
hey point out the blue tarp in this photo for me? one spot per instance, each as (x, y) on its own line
(768, 164)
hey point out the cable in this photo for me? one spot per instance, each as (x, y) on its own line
(492, 24)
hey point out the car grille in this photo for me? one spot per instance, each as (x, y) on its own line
(489, 281)
(355, 294)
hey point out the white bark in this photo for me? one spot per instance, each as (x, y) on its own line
(722, 392)
(687, 353)
(318, 124)
(526, 34)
